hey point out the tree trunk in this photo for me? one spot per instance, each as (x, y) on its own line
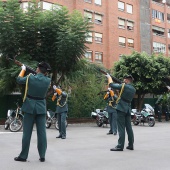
(140, 101)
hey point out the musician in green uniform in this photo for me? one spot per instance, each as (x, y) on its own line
(110, 97)
(127, 92)
(34, 108)
(61, 110)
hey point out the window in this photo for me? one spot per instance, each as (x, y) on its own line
(168, 33)
(55, 6)
(89, 37)
(49, 6)
(130, 43)
(25, 6)
(88, 55)
(159, 1)
(122, 41)
(168, 18)
(120, 56)
(121, 23)
(168, 48)
(130, 25)
(89, 15)
(121, 6)
(98, 19)
(158, 30)
(129, 9)
(159, 47)
(99, 57)
(159, 16)
(98, 2)
(98, 37)
(89, 1)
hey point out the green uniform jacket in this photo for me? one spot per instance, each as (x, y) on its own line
(62, 106)
(124, 104)
(37, 87)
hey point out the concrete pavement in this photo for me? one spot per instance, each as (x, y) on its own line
(87, 147)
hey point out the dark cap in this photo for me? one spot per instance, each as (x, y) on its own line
(129, 77)
(44, 65)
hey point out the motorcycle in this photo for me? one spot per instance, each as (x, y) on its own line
(52, 119)
(145, 116)
(14, 119)
(101, 117)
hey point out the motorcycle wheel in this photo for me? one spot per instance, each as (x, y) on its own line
(15, 125)
(135, 123)
(151, 122)
(47, 124)
(99, 123)
(6, 126)
(56, 124)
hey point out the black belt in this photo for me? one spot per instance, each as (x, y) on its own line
(35, 98)
(127, 101)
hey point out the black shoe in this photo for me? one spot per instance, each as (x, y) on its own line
(114, 133)
(130, 148)
(42, 159)
(59, 136)
(116, 149)
(63, 137)
(20, 159)
(109, 133)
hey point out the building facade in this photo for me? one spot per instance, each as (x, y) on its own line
(121, 26)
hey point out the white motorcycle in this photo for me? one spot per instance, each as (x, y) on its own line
(145, 116)
(101, 117)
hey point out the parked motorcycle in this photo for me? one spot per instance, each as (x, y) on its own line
(14, 119)
(145, 116)
(52, 119)
(101, 117)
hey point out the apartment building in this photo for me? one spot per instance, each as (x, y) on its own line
(121, 26)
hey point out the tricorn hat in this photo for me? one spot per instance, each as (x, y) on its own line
(44, 65)
(129, 77)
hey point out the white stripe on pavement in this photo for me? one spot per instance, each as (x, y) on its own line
(9, 132)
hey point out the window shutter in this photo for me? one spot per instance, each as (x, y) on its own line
(88, 14)
(130, 41)
(121, 22)
(122, 39)
(99, 2)
(98, 35)
(129, 23)
(98, 17)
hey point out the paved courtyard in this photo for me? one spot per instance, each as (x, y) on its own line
(87, 147)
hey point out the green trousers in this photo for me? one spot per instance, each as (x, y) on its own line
(29, 120)
(113, 121)
(61, 123)
(124, 122)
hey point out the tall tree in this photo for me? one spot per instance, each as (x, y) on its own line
(149, 73)
(55, 36)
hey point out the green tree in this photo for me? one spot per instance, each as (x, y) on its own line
(55, 36)
(148, 71)
(87, 90)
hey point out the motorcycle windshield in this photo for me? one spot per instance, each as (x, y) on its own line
(148, 106)
(105, 113)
